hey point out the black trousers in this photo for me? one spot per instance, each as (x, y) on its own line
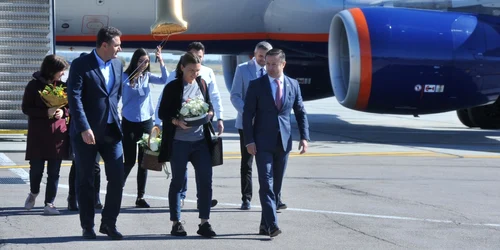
(111, 150)
(97, 179)
(245, 170)
(36, 174)
(132, 133)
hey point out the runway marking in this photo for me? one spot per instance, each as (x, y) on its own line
(13, 131)
(296, 154)
(5, 160)
(23, 174)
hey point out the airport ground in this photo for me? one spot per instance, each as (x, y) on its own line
(368, 182)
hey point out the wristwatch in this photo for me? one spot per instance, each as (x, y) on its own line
(220, 119)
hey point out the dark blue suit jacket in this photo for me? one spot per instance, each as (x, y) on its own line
(89, 101)
(268, 120)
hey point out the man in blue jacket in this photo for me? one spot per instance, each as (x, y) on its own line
(94, 89)
(267, 129)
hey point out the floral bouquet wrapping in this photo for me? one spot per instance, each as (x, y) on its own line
(54, 96)
(151, 147)
(194, 112)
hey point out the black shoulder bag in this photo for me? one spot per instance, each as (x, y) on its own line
(216, 147)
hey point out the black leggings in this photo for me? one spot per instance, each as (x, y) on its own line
(132, 133)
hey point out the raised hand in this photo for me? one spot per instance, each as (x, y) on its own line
(158, 55)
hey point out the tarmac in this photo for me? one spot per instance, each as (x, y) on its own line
(368, 181)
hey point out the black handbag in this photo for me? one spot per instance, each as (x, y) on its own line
(216, 148)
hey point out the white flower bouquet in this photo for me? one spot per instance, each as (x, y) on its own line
(194, 112)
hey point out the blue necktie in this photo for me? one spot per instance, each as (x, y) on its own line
(261, 71)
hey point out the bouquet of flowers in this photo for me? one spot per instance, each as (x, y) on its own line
(194, 112)
(153, 144)
(54, 96)
(150, 143)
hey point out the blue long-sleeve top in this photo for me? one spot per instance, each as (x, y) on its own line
(137, 103)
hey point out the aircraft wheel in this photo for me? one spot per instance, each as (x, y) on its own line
(485, 117)
(463, 116)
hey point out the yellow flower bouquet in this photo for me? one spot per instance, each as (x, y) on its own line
(54, 96)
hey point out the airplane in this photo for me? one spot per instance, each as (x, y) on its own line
(409, 57)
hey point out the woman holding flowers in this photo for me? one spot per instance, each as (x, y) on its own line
(44, 102)
(137, 113)
(182, 143)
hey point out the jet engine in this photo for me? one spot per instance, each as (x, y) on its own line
(409, 61)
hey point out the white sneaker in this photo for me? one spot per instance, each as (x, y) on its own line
(30, 201)
(50, 209)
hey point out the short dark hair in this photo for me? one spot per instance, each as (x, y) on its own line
(106, 34)
(187, 58)
(277, 52)
(196, 46)
(51, 65)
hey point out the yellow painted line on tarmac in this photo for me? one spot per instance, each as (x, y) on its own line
(297, 154)
(13, 131)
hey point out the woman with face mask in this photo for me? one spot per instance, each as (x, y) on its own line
(48, 137)
(137, 113)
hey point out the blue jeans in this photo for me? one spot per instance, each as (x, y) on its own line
(198, 154)
(36, 174)
(184, 189)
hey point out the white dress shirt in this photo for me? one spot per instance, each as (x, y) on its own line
(106, 69)
(258, 67)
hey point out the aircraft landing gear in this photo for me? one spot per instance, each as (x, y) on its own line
(463, 116)
(485, 117)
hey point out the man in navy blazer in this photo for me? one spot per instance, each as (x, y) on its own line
(94, 89)
(267, 130)
(246, 72)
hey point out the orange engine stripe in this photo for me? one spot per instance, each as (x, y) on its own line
(206, 37)
(366, 58)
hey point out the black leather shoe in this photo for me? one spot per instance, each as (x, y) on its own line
(141, 203)
(214, 203)
(111, 232)
(281, 206)
(98, 205)
(72, 206)
(89, 233)
(263, 230)
(246, 205)
(273, 232)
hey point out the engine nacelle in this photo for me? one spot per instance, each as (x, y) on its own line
(407, 61)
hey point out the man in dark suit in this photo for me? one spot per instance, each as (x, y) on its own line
(267, 130)
(94, 89)
(245, 72)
